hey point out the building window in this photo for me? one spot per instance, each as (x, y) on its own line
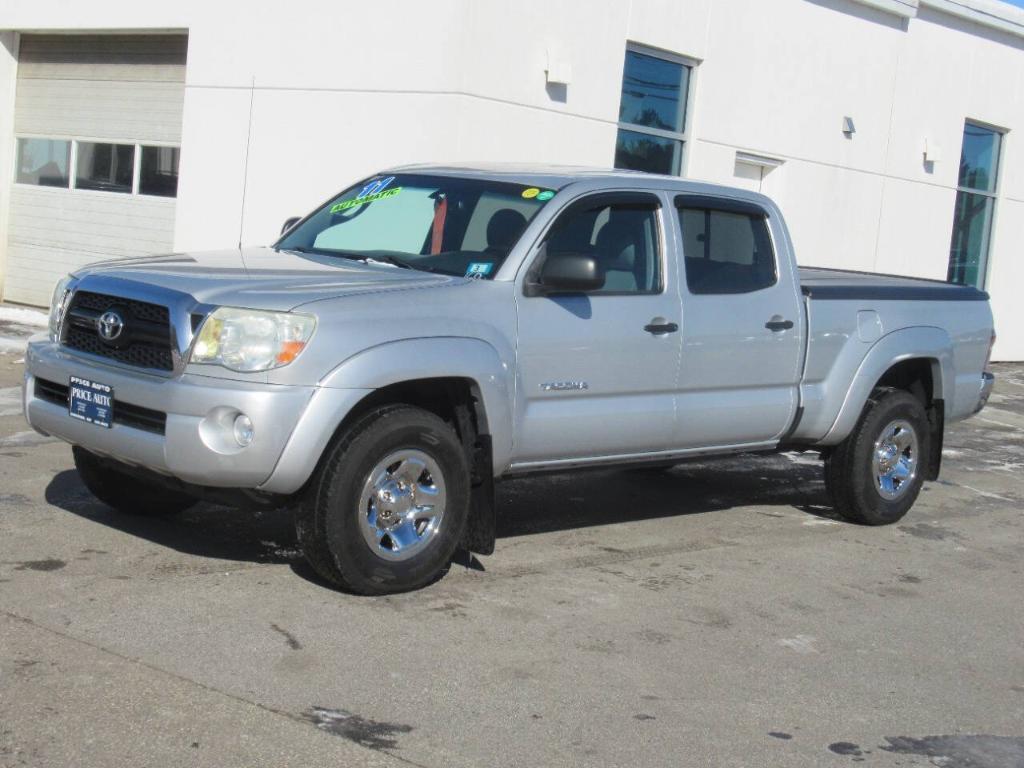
(105, 167)
(975, 205)
(122, 168)
(44, 162)
(652, 112)
(159, 173)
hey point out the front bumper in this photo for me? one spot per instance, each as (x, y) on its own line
(196, 445)
(987, 382)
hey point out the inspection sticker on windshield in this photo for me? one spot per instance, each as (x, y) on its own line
(479, 269)
(374, 190)
(531, 192)
(547, 194)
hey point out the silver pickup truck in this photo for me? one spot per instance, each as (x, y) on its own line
(431, 330)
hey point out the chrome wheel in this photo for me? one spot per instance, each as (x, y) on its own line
(402, 504)
(894, 459)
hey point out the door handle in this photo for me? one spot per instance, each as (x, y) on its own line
(660, 328)
(778, 325)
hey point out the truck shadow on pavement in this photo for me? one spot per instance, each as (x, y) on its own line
(583, 499)
(526, 506)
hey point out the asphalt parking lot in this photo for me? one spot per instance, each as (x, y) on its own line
(713, 615)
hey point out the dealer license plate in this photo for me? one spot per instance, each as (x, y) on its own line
(91, 401)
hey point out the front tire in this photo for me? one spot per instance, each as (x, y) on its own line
(875, 475)
(386, 509)
(127, 494)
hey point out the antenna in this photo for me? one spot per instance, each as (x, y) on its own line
(245, 167)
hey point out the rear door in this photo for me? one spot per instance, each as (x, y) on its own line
(742, 330)
(597, 371)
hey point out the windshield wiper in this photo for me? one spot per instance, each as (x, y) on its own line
(392, 260)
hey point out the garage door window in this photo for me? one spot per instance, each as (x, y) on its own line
(159, 174)
(105, 167)
(43, 162)
(118, 167)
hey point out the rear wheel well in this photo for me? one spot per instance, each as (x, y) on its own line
(918, 377)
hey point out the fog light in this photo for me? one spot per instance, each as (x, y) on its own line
(244, 430)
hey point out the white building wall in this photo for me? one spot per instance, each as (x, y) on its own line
(282, 109)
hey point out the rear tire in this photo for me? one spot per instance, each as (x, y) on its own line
(125, 493)
(388, 505)
(875, 475)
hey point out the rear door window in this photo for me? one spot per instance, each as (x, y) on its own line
(726, 251)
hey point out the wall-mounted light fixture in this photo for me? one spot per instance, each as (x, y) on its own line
(848, 127)
(932, 152)
(559, 69)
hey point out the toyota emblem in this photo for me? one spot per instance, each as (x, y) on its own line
(110, 325)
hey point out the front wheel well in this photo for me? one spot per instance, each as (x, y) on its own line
(445, 397)
(459, 402)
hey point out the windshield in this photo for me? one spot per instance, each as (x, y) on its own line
(450, 225)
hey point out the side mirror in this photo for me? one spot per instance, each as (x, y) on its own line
(568, 273)
(290, 222)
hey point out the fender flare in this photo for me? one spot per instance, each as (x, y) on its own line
(913, 343)
(439, 357)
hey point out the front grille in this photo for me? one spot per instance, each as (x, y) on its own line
(51, 391)
(145, 341)
(126, 414)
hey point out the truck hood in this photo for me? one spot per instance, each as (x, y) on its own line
(259, 278)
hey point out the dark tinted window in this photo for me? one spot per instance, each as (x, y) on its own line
(159, 172)
(653, 92)
(106, 167)
(622, 238)
(642, 152)
(726, 252)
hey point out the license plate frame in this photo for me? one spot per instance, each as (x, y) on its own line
(91, 401)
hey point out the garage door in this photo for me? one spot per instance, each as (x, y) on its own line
(98, 128)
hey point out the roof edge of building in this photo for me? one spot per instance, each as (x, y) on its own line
(993, 14)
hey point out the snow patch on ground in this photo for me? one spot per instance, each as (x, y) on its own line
(16, 325)
(800, 644)
(22, 316)
(25, 439)
(10, 345)
(10, 401)
(809, 459)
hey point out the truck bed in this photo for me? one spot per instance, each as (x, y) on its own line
(839, 284)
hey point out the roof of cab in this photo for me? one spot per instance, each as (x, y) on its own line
(522, 173)
(560, 176)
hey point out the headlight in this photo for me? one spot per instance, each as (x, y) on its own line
(251, 340)
(58, 306)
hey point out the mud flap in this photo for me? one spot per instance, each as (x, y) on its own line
(480, 527)
(479, 533)
(937, 421)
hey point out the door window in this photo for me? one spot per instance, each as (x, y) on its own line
(621, 237)
(726, 251)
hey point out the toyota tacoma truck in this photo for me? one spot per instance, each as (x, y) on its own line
(432, 330)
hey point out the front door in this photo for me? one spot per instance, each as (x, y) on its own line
(598, 371)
